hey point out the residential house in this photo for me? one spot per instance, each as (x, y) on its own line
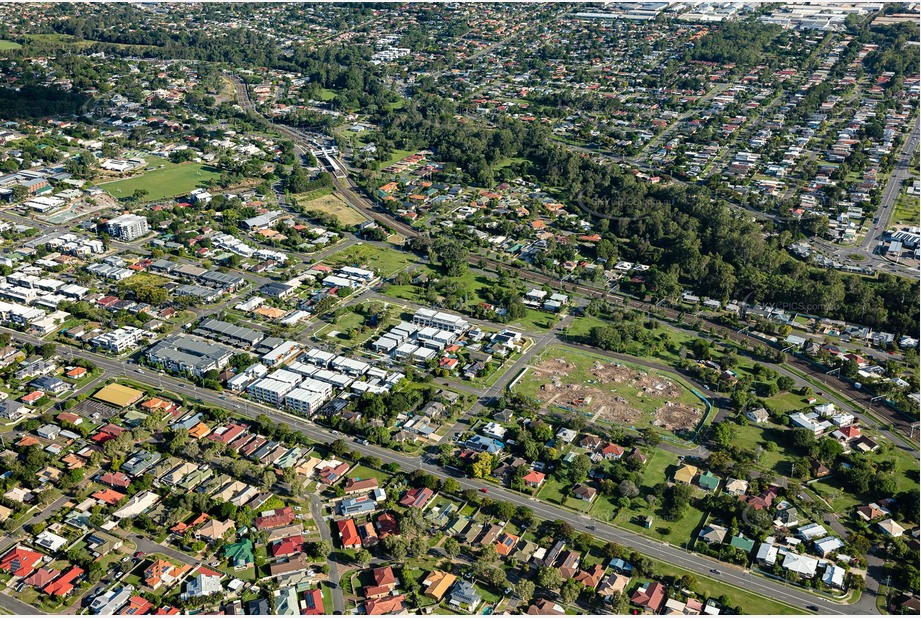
(650, 596)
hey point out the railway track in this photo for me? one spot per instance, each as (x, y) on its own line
(351, 194)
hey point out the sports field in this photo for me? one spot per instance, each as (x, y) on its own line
(169, 181)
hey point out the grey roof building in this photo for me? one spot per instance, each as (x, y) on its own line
(181, 354)
(229, 333)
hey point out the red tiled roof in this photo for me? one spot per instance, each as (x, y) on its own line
(20, 561)
(109, 496)
(314, 599)
(63, 585)
(348, 533)
(281, 517)
(387, 605)
(383, 576)
(287, 546)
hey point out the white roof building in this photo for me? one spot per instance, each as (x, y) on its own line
(834, 576)
(802, 565)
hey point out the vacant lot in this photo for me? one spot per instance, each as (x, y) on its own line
(906, 210)
(169, 181)
(385, 261)
(611, 391)
(334, 205)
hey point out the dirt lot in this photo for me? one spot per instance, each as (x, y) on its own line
(334, 205)
(616, 393)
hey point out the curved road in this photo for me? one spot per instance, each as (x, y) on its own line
(700, 565)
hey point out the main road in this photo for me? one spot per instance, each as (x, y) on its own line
(700, 565)
(890, 196)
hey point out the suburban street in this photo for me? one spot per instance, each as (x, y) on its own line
(700, 565)
(890, 196)
(316, 509)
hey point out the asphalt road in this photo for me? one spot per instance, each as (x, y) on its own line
(147, 546)
(316, 509)
(695, 563)
(702, 566)
(893, 187)
(674, 555)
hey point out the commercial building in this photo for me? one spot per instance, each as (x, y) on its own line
(120, 340)
(231, 334)
(181, 354)
(438, 319)
(127, 227)
(303, 401)
(118, 395)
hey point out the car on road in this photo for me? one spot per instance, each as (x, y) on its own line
(812, 608)
(715, 571)
(138, 554)
(484, 490)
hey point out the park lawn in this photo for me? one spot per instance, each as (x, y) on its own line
(364, 472)
(398, 155)
(4, 45)
(906, 209)
(343, 325)
(506, 162)
(327, 95)
(657, 468)
(408, 292)
(332, 204)
(582, 325)
(830, 490)
(59, 38)
(171, 180)
(906, 467)
(751, 604)
(386, 261)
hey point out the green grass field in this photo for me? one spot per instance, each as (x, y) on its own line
(396, 157)
(327, 95)
(906, 211)
(4, 44)
(385, 261)
(552, 491)
(778, 460)
(364, 472)
(169, 181)
(751, 604)
(905, 474)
